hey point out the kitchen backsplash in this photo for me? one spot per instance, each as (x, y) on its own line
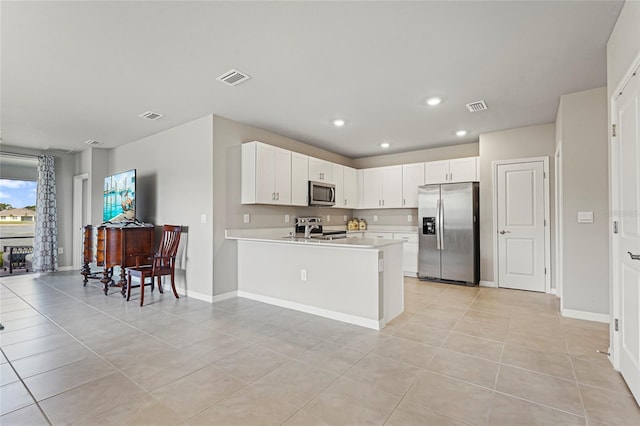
(264, 216)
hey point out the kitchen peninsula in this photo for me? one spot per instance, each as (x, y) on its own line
(359, 281)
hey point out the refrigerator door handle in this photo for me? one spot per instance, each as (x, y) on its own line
(441, 214)
(438, 225)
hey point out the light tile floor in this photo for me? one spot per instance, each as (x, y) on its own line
(457, 356)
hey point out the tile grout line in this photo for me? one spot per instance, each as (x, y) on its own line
(36, 402)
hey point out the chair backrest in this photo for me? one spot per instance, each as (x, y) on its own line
(170, 240)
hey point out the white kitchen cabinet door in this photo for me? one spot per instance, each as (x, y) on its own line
(320, 170)
(282, 177)
(436, 171)
(412, 178)
(350, 180)
(410, 252)
(299, 179)
(372, 188)
(463, 170)
(391, 187)
(337, 174)
(266, 174)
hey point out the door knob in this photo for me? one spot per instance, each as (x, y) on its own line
(505, 232)
(634, 256)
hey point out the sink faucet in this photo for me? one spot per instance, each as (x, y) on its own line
(309, 223)
(308, 228)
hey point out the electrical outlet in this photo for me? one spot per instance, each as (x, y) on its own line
(247, 218)
(203, 218)
(345, 217)
(303, 274)
(286, 218)
(375, 217)
(409, 218)
(328, 218)
(60, 250)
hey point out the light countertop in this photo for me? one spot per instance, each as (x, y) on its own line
(279, 236)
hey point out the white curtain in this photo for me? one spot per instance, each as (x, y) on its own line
(45, 241)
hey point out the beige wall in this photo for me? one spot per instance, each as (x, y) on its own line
(525, 142)
(582, 119)
(174, 176)
(432, 154)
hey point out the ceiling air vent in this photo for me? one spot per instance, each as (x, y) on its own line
(233, 77)
(93, 142)
(150, 115)
(477, 106)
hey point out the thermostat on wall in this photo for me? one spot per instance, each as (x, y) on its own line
(585, 217)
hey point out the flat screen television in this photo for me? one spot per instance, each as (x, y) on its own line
(120, 197)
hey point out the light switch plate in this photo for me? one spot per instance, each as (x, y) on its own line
(286, 218)
(375, 217)
(203, 218)
(247, 218)
(585, 217)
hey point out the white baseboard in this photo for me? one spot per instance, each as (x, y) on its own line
(589, 316)
(553, 291)
(338, 316)
(488, 284)
(67, 268)
(225, 296)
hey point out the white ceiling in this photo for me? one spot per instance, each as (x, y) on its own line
(73, 71)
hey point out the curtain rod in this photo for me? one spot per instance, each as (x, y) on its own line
(16, 155)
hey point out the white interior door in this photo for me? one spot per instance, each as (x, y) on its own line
(628, 262)
(521, 222)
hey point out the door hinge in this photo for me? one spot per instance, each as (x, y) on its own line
(615, 226)
(613, 130)
(615, 325)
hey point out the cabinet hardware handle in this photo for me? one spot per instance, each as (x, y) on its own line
(404, 202)
(505, 232)
(634, 256)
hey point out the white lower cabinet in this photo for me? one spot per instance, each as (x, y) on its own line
(410, 252)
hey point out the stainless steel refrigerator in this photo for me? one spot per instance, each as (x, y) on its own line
(449, 246)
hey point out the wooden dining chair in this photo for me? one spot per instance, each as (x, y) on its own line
(158, 264)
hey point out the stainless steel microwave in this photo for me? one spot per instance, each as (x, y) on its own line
(322, 194)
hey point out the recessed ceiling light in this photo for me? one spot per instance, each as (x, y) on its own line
(433, 101)
(338, 123)
(461, 133)
(384, 145)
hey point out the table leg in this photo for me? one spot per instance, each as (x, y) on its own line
(106, 279)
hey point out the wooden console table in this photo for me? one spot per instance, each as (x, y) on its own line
(114, 245)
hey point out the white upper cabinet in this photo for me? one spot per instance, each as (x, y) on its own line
(449, 171)
(299, 179)
(436, 171)
(266, 174)
(320, 170)
(382, 187)
(463, 169)
(412, 178)
(350, 179)
(337, 174)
